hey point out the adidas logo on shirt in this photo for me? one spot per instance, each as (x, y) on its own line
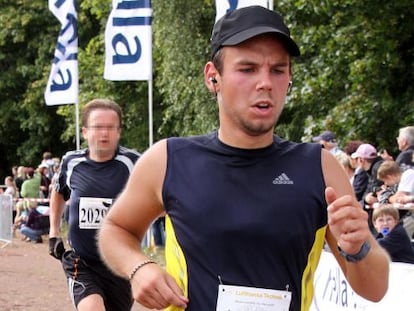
(282, 179)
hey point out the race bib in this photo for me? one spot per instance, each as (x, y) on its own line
(92, 211)
(241, 298)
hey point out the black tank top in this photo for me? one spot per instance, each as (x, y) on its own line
(243, 217)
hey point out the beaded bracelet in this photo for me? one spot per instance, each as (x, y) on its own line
(146, 262)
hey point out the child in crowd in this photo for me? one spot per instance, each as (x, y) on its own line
(391, 234)
(389, 172)
(398, 188)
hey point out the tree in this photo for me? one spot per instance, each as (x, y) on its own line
(181, 46)
(25, 127)
(28, 34)
(355, 75)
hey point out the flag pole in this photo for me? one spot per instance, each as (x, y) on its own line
(150, 115)
(77, 125)
(149, 233)
(129, 24)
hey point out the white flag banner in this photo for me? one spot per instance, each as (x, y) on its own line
(332, 292)
(224, 6)
(128, 41)
(63, 84)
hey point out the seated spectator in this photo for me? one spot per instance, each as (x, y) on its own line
(30, 192)
(36, 225)
(392, 235)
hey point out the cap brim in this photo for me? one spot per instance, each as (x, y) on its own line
(244, 35)
(354, 155)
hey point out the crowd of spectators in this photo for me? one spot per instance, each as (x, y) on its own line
(383, 186)
(378, 181)
(29, 188)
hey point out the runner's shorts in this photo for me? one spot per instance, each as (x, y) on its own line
(87, 278)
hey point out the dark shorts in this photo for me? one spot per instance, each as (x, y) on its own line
(87, 278)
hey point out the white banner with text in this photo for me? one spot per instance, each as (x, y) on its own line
(63, 84)
(333, 292)
(128, 41)
(224, 6)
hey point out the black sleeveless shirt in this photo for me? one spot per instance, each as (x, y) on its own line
(243, 217)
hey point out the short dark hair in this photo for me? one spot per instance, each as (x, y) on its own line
(218, 61)
(100, 103)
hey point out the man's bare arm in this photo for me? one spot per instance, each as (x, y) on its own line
(121, 234)
(348, 228)
(57, 205)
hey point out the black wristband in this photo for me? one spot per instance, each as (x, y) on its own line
(363, 252)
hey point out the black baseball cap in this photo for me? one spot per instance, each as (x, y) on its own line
(242, 24)
(326, 136)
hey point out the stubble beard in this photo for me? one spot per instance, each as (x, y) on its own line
(260, 127)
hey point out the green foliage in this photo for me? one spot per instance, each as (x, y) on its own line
(355, 75)
(26, 128)
(181, 43)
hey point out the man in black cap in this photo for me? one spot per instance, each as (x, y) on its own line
(247, 212)
(328, 141)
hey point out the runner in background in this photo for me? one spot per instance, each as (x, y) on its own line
(91, 179)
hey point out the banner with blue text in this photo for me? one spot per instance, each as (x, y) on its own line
(224, 6)
(334, 293)
(63, 84)
(128, 41)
